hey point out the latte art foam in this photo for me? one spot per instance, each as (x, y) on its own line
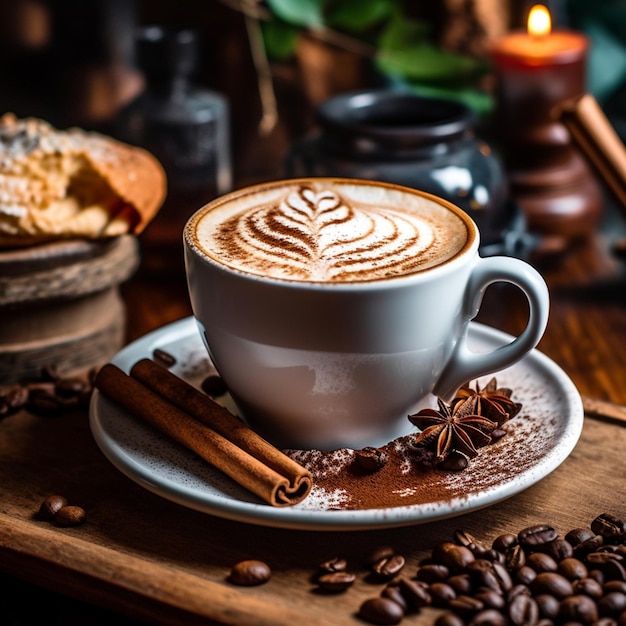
(316, 232)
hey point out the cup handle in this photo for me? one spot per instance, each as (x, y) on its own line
(465, 365)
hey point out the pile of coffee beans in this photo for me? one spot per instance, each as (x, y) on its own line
(534, 577)
(48, 394)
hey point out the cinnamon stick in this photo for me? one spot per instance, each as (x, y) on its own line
(594, 135)
(604, 411)
(226, 455)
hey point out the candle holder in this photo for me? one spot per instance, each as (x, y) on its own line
(549, 179)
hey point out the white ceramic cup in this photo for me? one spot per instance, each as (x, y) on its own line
(324, 364)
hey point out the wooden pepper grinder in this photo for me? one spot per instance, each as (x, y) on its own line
(536, 71)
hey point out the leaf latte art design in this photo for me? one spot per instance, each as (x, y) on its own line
(317, 235)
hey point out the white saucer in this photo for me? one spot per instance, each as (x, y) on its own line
(552, 424)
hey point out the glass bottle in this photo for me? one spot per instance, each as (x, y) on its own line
(186, 127)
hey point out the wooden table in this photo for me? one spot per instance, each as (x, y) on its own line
(142, 558)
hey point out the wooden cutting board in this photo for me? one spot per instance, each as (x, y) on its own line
(60, 305)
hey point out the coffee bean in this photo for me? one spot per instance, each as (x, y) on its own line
(381, 611)
(432, 573)
(503, 542)
(51, 506)
(466, 606)
(525, 575)
(523, 611)
(578, 608)
(454, 462)
(548, 605)
(249, 573)
(70, 387)
(541, 562)
(588, 546)
(491, 599)
(335, 564)
(42, 403)
(164, 358)
(465, 539)
(415, 592)
(608, 526)
(588, 587)
(441, 593)
(614, 585)
(370, 459)
(336, 582)
(514, 557)
(612, 604)
(69, 515)
(214, 385)
(559, 549)
(461, 583)
(578, 535)
(388, 567)
(535, 537)
(453, 556)
(392, 592)
(15, 398)
(572, 569)
(552, 583)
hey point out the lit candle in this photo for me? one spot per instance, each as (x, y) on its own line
(536, 70)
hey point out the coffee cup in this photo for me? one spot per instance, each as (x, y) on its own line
(332, 307)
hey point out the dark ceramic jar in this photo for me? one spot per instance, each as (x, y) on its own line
(424, 143)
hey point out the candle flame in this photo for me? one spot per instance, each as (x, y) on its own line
(539, 21)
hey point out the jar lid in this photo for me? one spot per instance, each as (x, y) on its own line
(384, 121)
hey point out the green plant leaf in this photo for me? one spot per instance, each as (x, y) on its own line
(356, 17)
(280, 40)
(401, 32)
(423, 62)
(304, 13)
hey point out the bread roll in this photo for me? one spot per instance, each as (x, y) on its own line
(58, 184)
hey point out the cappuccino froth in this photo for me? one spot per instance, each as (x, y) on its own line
(325, 231)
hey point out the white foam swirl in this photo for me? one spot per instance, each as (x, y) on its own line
(317, 235)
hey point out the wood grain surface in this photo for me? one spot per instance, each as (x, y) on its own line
(153, 561)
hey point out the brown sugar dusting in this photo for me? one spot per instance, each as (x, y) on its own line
(410, 477)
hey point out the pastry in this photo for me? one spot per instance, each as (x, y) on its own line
(60, 184)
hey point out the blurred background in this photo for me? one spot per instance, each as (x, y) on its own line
(76, 63)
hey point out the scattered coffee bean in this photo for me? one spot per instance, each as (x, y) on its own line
(415, 593)
(536, 537)
(454, 462)
(50, 395)
(388, 567)
(381, 611)
(164, 358)
(214, 386)
(393, 592)
(453, 556)
(249, 573)
(336, 582)
(69, 515)
(51, 506)
(335, 564)
(370, 459)
(608, 526)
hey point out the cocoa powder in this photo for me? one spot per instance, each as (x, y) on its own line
(410, 478)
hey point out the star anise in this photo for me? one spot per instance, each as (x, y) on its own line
(491, 401)
(452, 427)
